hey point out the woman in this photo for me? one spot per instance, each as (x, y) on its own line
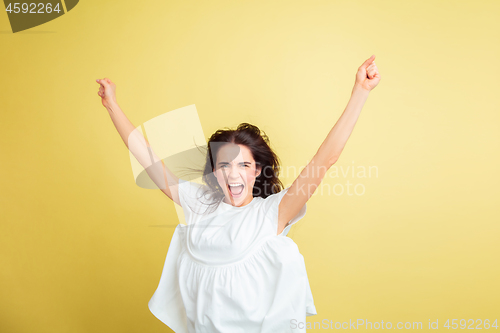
(230, 269)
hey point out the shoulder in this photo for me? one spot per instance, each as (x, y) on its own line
(194, 193)
(274, 199)
(272, 207)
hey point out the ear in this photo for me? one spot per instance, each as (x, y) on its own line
(258, 171)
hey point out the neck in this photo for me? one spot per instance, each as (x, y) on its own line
(245, 202)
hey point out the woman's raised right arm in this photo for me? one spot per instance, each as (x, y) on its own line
(166, 181)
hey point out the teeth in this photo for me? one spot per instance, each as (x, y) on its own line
(235, 184)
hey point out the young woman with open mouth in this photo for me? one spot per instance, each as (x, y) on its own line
(231, 268)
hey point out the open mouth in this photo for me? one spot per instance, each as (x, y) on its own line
(235, 189)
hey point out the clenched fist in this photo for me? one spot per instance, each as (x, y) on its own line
(368, 76)
(107, 91)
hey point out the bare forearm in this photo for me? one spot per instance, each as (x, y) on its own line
(332, 147)
(141, 149)
(121, 122)
(132, 137)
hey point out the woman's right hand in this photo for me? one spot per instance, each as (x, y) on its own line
(107, 91)
(368, 76)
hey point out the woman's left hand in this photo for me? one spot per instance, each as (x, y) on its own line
(368, 76)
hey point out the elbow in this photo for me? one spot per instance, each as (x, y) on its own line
(333, 160)
(327, 161)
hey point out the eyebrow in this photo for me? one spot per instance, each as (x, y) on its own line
(238, 163)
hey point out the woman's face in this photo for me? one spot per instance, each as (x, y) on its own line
(236, 171)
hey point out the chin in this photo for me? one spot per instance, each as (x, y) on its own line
(237, 200)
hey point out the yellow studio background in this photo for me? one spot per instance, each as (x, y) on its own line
(82, 246)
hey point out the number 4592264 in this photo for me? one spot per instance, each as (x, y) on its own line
(486, 324)
(25, 6)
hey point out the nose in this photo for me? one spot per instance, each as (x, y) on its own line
(233, 173)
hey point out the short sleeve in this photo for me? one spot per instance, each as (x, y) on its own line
(275, 200)
(191, 199)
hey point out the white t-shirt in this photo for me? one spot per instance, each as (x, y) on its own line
(227, 270)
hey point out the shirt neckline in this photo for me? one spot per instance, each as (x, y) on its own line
(237, 207)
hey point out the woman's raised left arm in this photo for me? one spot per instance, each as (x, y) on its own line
(367, 78)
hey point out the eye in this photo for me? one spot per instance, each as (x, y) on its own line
(224, 166)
